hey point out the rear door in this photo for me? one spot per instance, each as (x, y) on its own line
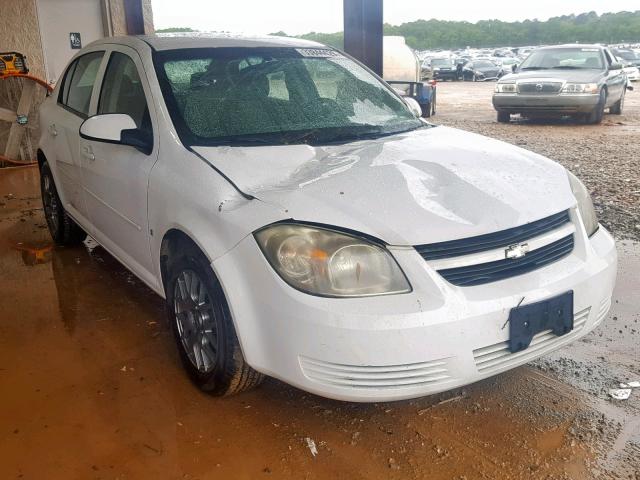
(115, 177)
(74, 104)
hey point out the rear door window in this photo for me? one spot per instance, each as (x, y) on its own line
(78, 82)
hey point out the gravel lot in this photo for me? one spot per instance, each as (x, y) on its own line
(605, 157)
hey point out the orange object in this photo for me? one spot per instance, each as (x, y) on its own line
(30, 163)
(12, 62)
(30, 77)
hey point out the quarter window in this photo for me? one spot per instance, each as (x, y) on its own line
(122, 91)
(78, 82)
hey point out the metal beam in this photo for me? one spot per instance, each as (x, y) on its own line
(134, 16)
(363, 32)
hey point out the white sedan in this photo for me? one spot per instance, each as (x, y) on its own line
(301, 221)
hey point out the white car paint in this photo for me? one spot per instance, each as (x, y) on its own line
(416, 188)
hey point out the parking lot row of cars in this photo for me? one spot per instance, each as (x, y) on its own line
(491, 64)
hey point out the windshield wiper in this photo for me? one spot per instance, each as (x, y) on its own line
(532, 68)
(567, 67)
(239, 141)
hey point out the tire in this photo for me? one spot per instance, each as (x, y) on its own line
(63, 230)
(426, 110)
(504, 117)
(203, 327)
(597, 114)
(616, 108)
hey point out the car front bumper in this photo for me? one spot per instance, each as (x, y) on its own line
(395, 347)
(440, 75)
(545, 104)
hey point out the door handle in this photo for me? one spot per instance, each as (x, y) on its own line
(87, 152)
(52, 130)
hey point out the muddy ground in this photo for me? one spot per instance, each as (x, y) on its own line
(91, 386)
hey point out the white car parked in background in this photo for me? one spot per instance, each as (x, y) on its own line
(302, 223)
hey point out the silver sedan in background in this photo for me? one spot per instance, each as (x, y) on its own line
(578, 80)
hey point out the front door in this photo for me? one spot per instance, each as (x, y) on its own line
(115, 177)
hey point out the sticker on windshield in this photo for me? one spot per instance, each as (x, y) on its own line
(588, 49)
(318, 52)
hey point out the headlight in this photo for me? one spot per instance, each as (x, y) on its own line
(505, 88)
(580, 88)
(585, 204)
(328, 263)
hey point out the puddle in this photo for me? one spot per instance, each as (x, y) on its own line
(92, 387)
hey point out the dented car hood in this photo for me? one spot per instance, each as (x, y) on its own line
(425, 186)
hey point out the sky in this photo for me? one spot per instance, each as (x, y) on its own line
(302, 16)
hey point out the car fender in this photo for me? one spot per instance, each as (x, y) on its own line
(186, 194)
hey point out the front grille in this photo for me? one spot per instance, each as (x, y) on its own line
(540, 87)
(481, 273)
(498, 357)
(410, 375)
(490, 241)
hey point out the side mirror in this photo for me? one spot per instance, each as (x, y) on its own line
(615, 66)
(116, 128)
(514, 67)
(414, 106)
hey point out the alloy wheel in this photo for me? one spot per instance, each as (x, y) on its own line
(50, 203)
(196, 320)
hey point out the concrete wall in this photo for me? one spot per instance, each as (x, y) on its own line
(24, 36)
(20, 32)
(116, 17)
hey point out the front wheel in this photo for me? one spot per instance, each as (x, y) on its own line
(504, 117)
(616, 109)
(62, 228)
(597, 113)
(203, 327)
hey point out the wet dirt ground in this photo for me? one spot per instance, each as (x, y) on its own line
(91, 385)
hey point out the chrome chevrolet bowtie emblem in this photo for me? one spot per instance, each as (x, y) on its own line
(518, 250)
(539, 87)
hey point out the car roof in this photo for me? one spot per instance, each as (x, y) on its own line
(175, 41)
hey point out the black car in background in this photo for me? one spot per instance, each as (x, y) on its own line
(481, 70)
(443, 69)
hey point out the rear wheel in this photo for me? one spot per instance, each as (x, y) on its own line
(426, 109)
(617, 107)
(504, 117)
(62, 228)
(597, 114)
(203, 328)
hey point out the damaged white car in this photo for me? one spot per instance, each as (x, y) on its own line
(303, 223)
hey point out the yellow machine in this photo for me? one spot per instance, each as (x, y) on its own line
(12, 63)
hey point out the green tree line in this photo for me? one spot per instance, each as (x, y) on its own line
(621, 27)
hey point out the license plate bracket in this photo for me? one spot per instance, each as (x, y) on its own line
(555, 314)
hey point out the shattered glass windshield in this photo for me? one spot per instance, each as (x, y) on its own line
(275, 96)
